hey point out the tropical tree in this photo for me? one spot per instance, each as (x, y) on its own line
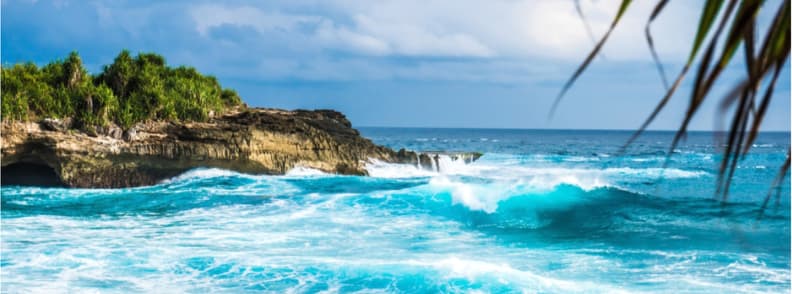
(130, 90)
(18, 84)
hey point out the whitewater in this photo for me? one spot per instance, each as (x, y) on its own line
(540, 211)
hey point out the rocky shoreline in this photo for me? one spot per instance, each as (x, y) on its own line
(256, 141)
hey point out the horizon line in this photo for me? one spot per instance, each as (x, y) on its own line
(558, 129)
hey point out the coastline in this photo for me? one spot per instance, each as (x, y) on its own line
(252, 140)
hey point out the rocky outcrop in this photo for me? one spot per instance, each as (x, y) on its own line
(431, 160)
(257, 141)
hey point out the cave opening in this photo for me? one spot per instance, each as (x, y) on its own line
(29, 174)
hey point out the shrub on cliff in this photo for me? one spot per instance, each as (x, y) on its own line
(127, 91)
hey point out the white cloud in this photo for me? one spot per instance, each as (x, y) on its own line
(498, 41)
(492, 29)
(518, 44)
(523, 29)
(413, 39)
(365, 35)
(212, 15)
(341, 37)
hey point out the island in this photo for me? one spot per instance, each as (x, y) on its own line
(140, 121)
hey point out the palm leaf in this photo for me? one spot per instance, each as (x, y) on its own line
(776, 187)
(649, 41)
(704, 65)
(582, 16)
(762, 64)
(622, 8)
(708, 15)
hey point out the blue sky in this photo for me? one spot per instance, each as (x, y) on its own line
(409, 63)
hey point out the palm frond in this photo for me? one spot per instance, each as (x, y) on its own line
(764, 64)
(582, 16)
(650, 41)
(776, 187)
(708, 15)
(622, 8)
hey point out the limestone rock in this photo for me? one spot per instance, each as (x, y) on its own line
(256, 141)
(54, 124)
(130, 134)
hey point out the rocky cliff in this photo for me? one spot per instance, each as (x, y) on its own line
(257, 141)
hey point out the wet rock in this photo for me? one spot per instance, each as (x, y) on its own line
(256, 141)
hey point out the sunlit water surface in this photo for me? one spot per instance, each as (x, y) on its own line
(541, 211)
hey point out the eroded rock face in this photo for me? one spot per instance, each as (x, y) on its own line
(430, 160)
(257, 141)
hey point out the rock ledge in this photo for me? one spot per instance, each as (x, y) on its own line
(256, 141)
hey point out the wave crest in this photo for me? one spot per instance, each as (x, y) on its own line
(304, 171)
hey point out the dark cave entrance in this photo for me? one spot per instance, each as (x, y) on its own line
(29, 174)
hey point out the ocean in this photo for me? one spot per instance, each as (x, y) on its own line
(542, 211)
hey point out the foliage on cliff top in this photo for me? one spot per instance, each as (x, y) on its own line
(130, 90)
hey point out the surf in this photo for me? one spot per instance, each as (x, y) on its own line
(519, 219)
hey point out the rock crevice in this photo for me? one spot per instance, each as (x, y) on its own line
(257, 141)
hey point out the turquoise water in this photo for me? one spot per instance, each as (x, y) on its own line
(541, 211)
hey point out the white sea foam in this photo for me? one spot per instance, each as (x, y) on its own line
(515, 169)
(472, 269)
(380, 169)
(547, 177)
(487, 197)
(580, 158)
(205, 173)
(667, 173)
(646, 159)
(18, 202)
(762, 145)
(304, 171)
(322, 240)
(448, 165)
(328, 240)
(507, 178)
(208, 173)
(474, 197)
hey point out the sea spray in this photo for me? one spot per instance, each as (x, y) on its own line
(534, 214)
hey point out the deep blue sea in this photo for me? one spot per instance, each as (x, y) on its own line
(542, 211)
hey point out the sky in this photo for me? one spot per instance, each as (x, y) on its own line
(406, 63)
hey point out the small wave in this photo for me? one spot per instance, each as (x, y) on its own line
(564, 158)
(580, 159)
(205, 173)
(496, 168)
(757, 269)
(531, 195)
(646, 159)
(472, 270)
(304, 171)
(668, 173)
(474, 197)
(18, 202)
(214, 173)
(380, 169)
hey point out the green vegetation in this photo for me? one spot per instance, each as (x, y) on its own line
(128, 91)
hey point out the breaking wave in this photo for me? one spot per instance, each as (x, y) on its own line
(505, 223)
